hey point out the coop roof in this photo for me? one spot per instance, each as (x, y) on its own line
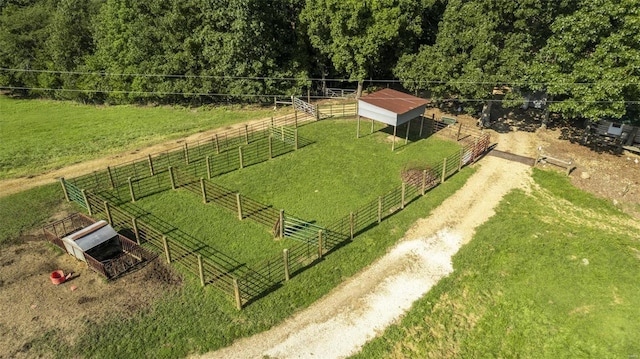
(391, 107)
(92, 236)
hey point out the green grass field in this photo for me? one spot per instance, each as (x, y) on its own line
(552, 275)
(40, 135)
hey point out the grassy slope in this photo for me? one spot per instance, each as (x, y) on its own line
(546, 278)
(40, 135)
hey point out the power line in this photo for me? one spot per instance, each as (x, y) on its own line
(315, 79)
(271, 96)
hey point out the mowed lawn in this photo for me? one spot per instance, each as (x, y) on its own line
(40, 135)
(337, 173)
(554, 274)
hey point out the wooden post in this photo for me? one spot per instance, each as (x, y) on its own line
(64, 189)
(173, 180)
(317, 113)
(240, 156)
(320, 244)
(133, 196)
(201, 270)
(113, 185)
(424, 182)
(208, 161)
(459, 130)
(151, 170)
(270, 147)
(296, 138)
(281, 223)
(393, 144)
(404, 191)
(421, 125)
(86, 201)
(433, 121)
(217, 144)
(475, 149)
(246, 134)
(444, 170)
(379, 209)
(186, 153)
(107, 211)
(406, 137)
(134, 221)
(204, 190)
(166, 248)
(295, 119)
(358, 127)
(372, 125)
(282, 132)
(351, 225)
(285, 260)
(239, 202)
(236, 292)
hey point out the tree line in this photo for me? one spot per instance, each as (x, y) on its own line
(583, 55)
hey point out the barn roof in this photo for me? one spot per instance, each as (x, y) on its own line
(91, 236)
(394, 101)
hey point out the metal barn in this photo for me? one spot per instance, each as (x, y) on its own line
(391, 107)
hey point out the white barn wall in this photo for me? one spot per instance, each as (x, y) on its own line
(376, 113)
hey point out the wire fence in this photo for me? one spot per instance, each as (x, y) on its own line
(111, 194)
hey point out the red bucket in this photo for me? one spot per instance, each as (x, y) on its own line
(57, 277)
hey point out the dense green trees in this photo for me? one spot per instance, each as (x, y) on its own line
(585, 55)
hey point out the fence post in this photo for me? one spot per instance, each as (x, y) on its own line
(64, 189)
(320, 244)
(444, 170)
(239, 202)
(133, 196)
(204, 190)
(201, 270)
(435, 125)
(295, 118)
(421, 125)
(285, 260)
(459, 130)
(246, 134)
(107, 210)
(270, 147)
(236, 293)
(351, 225)
(460, 162)
(379, 209)
(296, 138)
(424, 182)
(110, 177)
(166, 248)
(134, 221)
(151, 170)
(281, 223)
(217, 144)
(240, 156)
(173, 180)
(86, 201)
(404, 191)
(208, 161)
(186, 153)
(317, 113)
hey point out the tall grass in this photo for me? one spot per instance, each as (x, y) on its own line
(40, 135)
(535, 282)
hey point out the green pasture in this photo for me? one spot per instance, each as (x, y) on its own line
(40, 135)
(337, 173)
(546, 277)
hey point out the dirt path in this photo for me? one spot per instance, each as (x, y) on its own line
(339, 324)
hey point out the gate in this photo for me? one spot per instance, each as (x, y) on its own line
(301, 230)
(74, 193)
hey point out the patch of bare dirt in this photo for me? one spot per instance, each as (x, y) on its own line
(33, 305)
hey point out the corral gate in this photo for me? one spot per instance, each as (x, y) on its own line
(74, 193)
(301, 230)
